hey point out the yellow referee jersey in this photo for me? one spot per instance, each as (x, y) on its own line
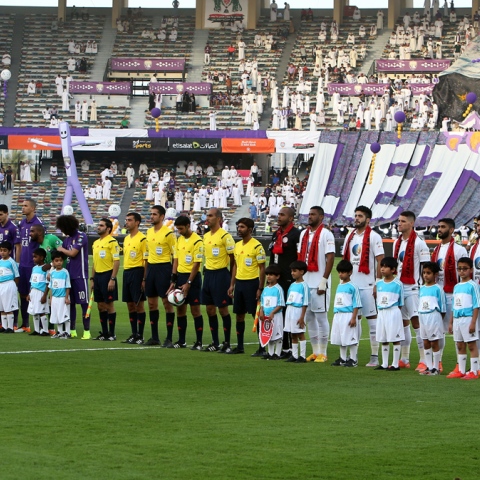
(188, 251)
(105, 252)
(218, 247)
(160, 245)
(248, 257)
(134, 251)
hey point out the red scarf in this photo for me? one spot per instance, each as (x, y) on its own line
(280, 235)
(473, 251)
(449, 268)
(364, 266)
(312, 265)
(408, 266)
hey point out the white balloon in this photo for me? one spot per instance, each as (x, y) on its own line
(114, 210)
(68, 210)
(6, 74)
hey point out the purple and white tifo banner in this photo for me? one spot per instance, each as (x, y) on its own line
(100, 88)
(147, 64)
(414, 65)
(353, 89)
(172, 88)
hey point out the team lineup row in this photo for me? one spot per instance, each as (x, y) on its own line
(159, 263)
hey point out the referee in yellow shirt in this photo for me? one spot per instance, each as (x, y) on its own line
(248, 278)
(103, 282)
(160, 245)
(219, 247)
(187, 260)
(133, 293)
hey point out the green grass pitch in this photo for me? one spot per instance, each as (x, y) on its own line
(124, 412)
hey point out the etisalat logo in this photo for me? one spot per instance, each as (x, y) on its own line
(195, 145)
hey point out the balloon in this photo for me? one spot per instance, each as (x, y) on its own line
(155, 112)
(6, 75)
(375, 147)
(399, 117)
(471, 97)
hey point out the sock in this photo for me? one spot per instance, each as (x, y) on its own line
(441, 345)
(170, 322)
(182, 328)
(315, 346)
(354, 352)
(462, 362)
(474, 365)
(154, 316)
(240, 327)
(436, 360)
(343, 353)
(85, 319)
(132, 316)
(44, 320)
(10, 320)
(227, 327)
(421, 349)
(104, 323)
(36, 323)
(324, 330)
(51, 326)
(73, 315)
(429, 358)
(271, 348)
(286, 341)
(303, 347)
(278, 347)
(15, 318)
(198, 322)
(406, 344)
(213, 322)
(66, 326)
(4, 321)
(372, 327)
(385, 354)
(141, 317)
(396, 355)
(24, 311)
(112, 320)
(60, 328)
(294, 350)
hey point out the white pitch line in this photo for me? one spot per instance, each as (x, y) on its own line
(132, 349)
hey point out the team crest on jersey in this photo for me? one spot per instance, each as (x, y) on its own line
(266, 330)
(357, 250)
(477, 263)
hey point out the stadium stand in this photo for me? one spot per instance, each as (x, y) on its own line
(6, 33)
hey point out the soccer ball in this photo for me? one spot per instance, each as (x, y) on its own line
(176, 297)
(114, 210)
(68, 210)
(171, 213)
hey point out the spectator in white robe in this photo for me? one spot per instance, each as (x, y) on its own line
(65, 101)
(78, 111)
(149, 194)
(130, 174)
(98, 191)
(178, 200)
(313, 121)
(223, 197)
(93, 111)
(196, 202)
(84, 111)
(273, 11)
(31, 89)
(107, 186)
(379, 20)
(213, 120)
(237, 198)
(241, 50)
(59, 84)
(187, 200)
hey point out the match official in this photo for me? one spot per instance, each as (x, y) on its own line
(219, 248)
(103, 282)
(134, 274)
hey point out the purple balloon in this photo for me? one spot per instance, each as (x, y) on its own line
(375, 147)
(471, 97)
(155, 112)
(399, 117)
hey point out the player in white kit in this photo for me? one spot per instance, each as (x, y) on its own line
(363, 247)
(411, 252)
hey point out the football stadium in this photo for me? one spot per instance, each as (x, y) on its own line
(194, 193)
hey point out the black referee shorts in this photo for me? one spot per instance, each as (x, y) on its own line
(194, 294)
(215, 287)
(158, 279)
(132, 285)
(244, 297)
(100, 288)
